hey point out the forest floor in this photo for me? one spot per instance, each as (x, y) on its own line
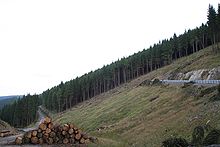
(145, 115)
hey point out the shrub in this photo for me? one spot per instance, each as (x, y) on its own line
(188, 84)
(146, 83)
(218, 88)
(156, 82)
(213, 137)
(175, 142)
(198, 135)
(216, 97)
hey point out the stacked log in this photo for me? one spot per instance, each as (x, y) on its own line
(48, 133)
(5, 133)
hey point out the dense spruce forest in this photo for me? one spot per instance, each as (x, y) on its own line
(22, 112)
(66, 95)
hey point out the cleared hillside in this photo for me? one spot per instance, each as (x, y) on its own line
(146, 115)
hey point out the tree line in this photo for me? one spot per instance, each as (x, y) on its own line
(66, 95)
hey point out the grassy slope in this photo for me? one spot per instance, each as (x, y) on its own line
(131, 118)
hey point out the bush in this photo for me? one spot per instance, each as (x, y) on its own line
(213, 137)
(175, 142)
(156, 82)
(218, 88)
(146, 83)
(198, 135)
(187, 84)
(216, 97)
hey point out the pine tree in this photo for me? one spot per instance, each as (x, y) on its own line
(212, 24)
(218, 23)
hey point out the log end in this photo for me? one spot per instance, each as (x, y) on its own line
(18, 140)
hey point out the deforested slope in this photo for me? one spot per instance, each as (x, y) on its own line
(141, 114)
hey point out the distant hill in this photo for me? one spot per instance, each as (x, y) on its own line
(4, 100)
(9, 97)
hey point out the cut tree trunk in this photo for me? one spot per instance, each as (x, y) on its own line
(34, 133)
(18, 140)
(47, 120)
(34, 140)
(78, 136)
(43, 126)
(65, 141)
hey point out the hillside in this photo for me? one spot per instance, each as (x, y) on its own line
(132, 114)
(148, 62)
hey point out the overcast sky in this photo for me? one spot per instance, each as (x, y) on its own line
(44, 42)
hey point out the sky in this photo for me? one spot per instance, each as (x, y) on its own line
(44, 42)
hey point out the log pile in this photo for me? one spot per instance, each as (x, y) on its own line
(48, 133)
(5, 133)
